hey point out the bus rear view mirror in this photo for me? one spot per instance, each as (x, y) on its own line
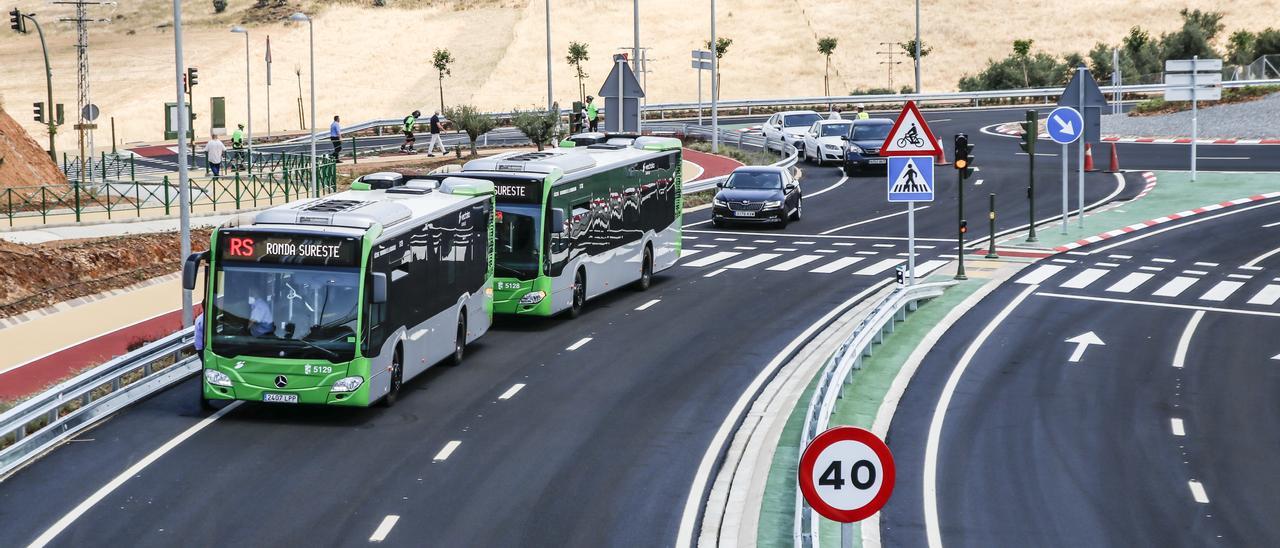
(191, 268)
(379, 288)
(557, 221)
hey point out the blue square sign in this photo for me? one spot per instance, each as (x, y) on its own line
(910, 179)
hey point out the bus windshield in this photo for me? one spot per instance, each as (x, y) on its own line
(519, 230)
(285, 312)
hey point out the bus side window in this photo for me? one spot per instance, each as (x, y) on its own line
(581, 219)
(376, 318)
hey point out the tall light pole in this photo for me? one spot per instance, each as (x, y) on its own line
(248, 97)
(715, 84)
(550, 96)
(184, 192)
(48, 79)
(635, 63)
(311, 36)
(917, 46)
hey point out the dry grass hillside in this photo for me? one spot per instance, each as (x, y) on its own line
(375, 62)
(22, 160)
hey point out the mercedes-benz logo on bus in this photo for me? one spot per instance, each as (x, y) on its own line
(282, 381)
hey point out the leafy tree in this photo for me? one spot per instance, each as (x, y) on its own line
(1240, 47)
(722, 47)
(1199, 28)
(1267, 43)
(441, 59)
(1022, 50)
(827, 46)
(1012, 72)
(577, 54)
(539, 125)
(1142, 54)
(910, 47)
(219, 6)
(471, 121)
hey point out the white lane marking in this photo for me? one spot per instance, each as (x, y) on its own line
(705, 246)
(927, 267)
(1084, 279)
(697, 488)
(1197, 492)
(1120, 257)
(1198, 220)
(883, 245)
(1176, 425)
(1175, 286)
(646, 306)
(1221, 291)
(879, 267)
(978, 182)
(836, 265)
(689, 237)
(1130, 282)
(754, 260)
(1209, 265)
(1161, 305)
(1267, 296)
(445, 451)
(578, 344)
(851, 244)
(1271, 225)
(384, 528)
(744, 248)
(921, 246)
(932, 530)
(1254, 263)
(713, 273)
(785, 249)
(1159, 260)
(1184, 342)
(871, 220)
(867, 252)
(765, 241)
(1151, 268)
(803, 243)
(65, 521)
(712, 258)
(824, 251)
(1079, 253)
(1195, 272)
(686, 252)
(1107, 265)
(1038, 154)
(1240, 276)
(828, 189)
(1064, 261)
(1224, 158)
(831, 236)
(940, 119)
(798, 261)
(1040, 274)
(511, 392)
(726, 239)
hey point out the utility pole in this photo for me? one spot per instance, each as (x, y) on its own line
(715, 84)
(550, 94)
(917, 46)
(890, 50)
(635, 62)
(82, 21)
(184, 190)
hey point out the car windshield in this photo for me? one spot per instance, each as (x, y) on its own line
(800, 120)
(518, 240)
(286, 312)
(754, 180)
(835, 130)
(870, 132)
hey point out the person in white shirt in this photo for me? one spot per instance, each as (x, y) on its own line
(213, 151)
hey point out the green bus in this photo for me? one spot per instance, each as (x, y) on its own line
(576, 222)
(339, 300)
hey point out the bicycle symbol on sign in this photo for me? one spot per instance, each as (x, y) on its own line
(912, 137)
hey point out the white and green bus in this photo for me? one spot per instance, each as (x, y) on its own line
(576, 222)
(339, 300)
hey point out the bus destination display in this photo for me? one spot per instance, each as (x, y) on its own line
(288, 249)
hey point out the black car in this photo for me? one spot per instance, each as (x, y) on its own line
(864, 140)
(758, 194)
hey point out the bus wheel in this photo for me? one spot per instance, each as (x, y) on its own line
(579, 294)
(397, 379)
(646, 270)
(459, 342)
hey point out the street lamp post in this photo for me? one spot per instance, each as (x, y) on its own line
(550, 97)
(311, 36)
(917, 46)
(48, 79)
(248, 97)
(184, 191)
(715, 84)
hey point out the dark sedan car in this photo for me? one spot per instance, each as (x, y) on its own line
(863, 153)
(758, 194)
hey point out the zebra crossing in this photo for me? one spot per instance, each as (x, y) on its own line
(1208, 283)
(724, 254)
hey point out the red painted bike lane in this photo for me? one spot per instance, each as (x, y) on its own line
(712, 165)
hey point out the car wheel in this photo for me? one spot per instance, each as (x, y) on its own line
(459, 341)
(795, 215)
(579, 295)
(717, 223)
(646, 270)
(783, 218)
(397, 379)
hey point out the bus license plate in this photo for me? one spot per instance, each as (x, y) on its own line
(280, 398)
(744, 214)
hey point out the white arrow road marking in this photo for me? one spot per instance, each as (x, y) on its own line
(1276, 357)
(1068, 126)
(1082, 343)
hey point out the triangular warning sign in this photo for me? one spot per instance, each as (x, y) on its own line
(630, 85)
(911, 180)
(910, 135)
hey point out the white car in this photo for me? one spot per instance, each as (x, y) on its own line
(788, 127)
(825, 141)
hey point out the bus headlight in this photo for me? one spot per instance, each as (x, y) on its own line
(347, 384)
(216, 378)
(533, 297)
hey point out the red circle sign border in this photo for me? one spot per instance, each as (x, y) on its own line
(826, 439)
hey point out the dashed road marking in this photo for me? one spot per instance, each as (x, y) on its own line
(1159, 260)
(1152, 268)
(1268, 296)
(1204, 264)
(646, 306)
(1197, 492)
(384, 528)
(1195, 272)
(754, 260)
(447, 450)
(1176, 425)
(713, 273)
(744, 248)
(511, 392)
(1040, 274)
(712, 258)
(765, 241)
(686, 252)
(1084, 279)
(704, 246)
(793, 263)
(785, 249)
(1175, 286)
(1130, 282)
(879, 267)
(1184, 342)
(1221, 291)
(578, 344)
(836, 265)
(1120, 257)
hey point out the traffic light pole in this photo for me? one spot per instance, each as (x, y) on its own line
(960, 226)
(48, 80)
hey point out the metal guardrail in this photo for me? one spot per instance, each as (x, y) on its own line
(40, 423)
(728, 137)
(838, 371)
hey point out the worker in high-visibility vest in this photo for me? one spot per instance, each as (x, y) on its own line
(237, 147)
(862, 112)
(409, 122)
(593, 115)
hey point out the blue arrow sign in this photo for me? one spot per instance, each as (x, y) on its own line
(1065, 125)
(910, 178)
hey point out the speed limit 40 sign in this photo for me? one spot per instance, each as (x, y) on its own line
(846, 474)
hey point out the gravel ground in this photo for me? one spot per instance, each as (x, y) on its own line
(1253, 120)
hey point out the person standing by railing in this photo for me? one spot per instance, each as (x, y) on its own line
(214, 150)
(335, 137)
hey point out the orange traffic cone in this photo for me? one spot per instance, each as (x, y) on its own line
(941, 159)
(1115, 160)
(1088, 158)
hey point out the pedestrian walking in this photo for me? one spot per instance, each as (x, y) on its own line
(214, 151)
(435, 135)
(409, 121)
(593, 115)
(335, 137)
(237, 146)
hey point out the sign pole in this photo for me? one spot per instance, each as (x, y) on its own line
(699, 96)
(1083, 130)
(1195, 116)
(846, 535)
(911, 243)
(1065, 201)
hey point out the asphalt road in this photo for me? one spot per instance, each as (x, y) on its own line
(1165, 436)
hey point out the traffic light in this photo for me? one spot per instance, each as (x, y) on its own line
(16, 22)
(192, 78)
(1030, 131)
(39, 111)
(963, 156)
(964, 226)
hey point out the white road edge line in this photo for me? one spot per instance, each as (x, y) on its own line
(119, 480)
(932, 529)
(1161, 305)
(445, 451)
(1197, 492)
(1254, 263)
(1232, 211)
(688, 519)
(384, 528)
(646, 306)
(1180, 355)
(511, 392)
(578, 344)
(830, 188)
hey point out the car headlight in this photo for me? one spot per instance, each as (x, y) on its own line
(719, 202)
(533, 297)
(831, 147)
(855, 149)
(216, 378)
(347, 384)
(773, 204)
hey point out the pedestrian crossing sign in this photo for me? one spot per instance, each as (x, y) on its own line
(910, 179)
